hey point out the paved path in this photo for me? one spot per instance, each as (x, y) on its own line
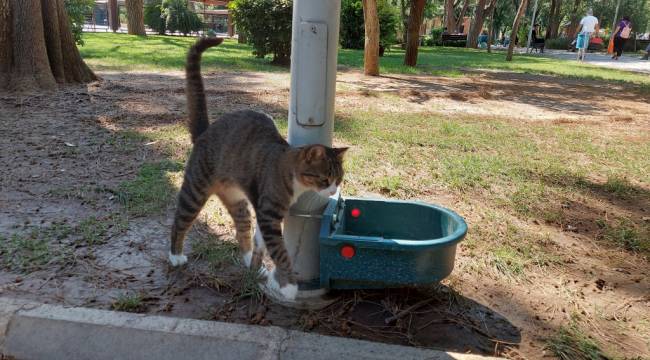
(626, 62)
(38, 331)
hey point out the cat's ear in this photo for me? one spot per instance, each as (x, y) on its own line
(315, 152)
(340, 152)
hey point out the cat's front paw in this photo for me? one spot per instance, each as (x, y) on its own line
(287, 292)
(177, 260)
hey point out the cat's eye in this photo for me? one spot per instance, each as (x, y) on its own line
(310, 175)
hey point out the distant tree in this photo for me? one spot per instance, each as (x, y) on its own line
(515, 28)
(153, 16)
(178, 17)
(135, 16)
(113, 15)
(371, 49)
(483, 7)
(352, 24)
(455, 14)
(266, 25)
(413, 32)
(554, 19)
(38, 48)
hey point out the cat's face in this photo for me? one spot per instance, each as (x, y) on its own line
(321, 168)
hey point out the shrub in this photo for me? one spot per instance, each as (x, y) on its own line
(179, 18)
(77, 10)
(153, 17)
(352, 28)
(266, 24)
(436, 36)
(559, 43)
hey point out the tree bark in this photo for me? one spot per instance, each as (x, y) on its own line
(450, 16)
(135, 17)
(371, 46)
(113, 15)
(515, 27)
(461, 16)
(575, 20)
(52, 39)
(476, 25)
(413, 35)
(554, 18)
(38, 46)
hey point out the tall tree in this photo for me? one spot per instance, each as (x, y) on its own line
(38, 46)
(554, 19)
(413, 32)
(371, 46)
(575, 19)
(113, 15)
(483, 7)
(135, 16)
(454, 19)
(515, 28)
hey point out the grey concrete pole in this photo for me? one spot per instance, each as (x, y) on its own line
(314, 47)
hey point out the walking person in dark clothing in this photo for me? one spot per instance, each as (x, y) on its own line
(621, 34)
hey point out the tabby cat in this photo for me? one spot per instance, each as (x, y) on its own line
(243, 159)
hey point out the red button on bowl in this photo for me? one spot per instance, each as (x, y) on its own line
(355, 213)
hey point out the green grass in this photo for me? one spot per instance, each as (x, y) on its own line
(151, 191)
(129, 303)
(107, 51)
(33, 250)
(215, 252)
(572, 343)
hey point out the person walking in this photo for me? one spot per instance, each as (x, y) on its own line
(588, 26)
(621, 34)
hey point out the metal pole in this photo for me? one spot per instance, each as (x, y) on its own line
(532, 24)
(314, 46)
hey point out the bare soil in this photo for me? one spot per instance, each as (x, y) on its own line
(63, 158)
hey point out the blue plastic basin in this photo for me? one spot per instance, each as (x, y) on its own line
(366, 243)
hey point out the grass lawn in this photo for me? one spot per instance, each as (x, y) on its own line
(107, 51)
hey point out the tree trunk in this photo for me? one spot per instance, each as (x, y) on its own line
(575, 20)
(135, 16)
(371, 46)
(413, 38)
(38, 46)
(554, 17)
(113, 15)
(461, 16)
(515, 28)
(477, 25)
(491, 30)
(450, 16)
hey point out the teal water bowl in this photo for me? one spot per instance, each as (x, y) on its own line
(370, 244)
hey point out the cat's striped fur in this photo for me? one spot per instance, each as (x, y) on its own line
(243, 159)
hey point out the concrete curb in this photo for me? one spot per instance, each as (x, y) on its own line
(31, 330)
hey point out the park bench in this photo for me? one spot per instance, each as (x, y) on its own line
(453, 37)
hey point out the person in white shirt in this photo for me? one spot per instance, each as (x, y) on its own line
(588, 25)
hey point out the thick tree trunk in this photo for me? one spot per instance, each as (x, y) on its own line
(135, 16)
(52, 39)
(477, 24)
(371, 46)
(413, 39)
(6, 30)
(38, 46)
(554, 18)
(113, 15)
(575, 20)
(515, 27)
(450, 16)
(461, 16)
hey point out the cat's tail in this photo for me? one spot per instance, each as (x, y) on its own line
(196, 103)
